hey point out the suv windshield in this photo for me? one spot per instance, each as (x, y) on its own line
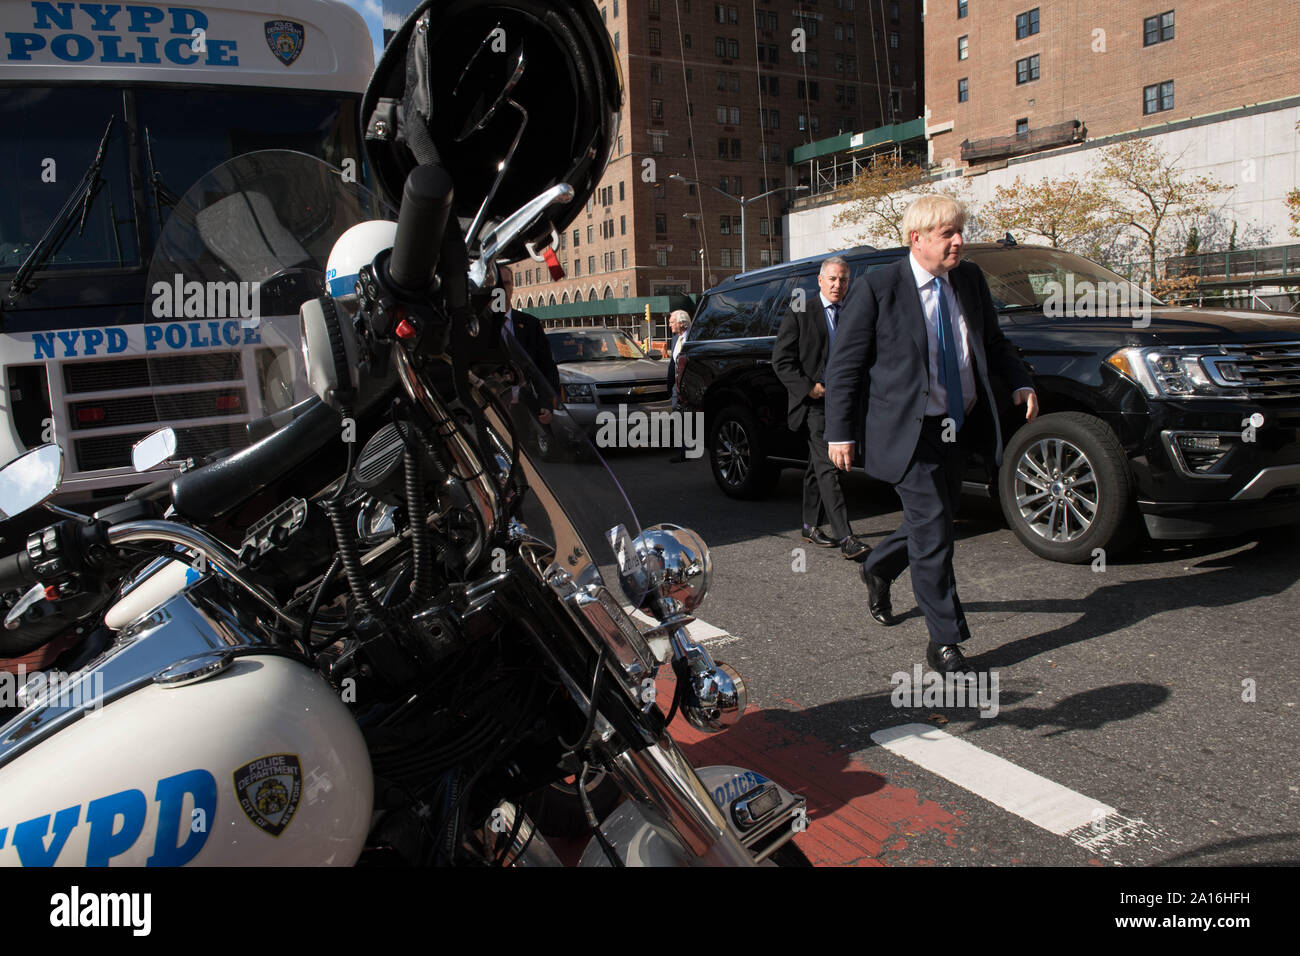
(595, 345)
(1032, 277)
(181, 134)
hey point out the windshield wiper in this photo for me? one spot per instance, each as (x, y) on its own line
(57, 233)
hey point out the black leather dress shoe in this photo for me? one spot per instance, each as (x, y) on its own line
(818, 537)
(947, 659)
(878, 597)
(854, 548)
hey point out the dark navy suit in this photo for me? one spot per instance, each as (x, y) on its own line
(881, 341)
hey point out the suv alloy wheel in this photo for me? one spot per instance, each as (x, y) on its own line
(1065, 489)
(738, 455)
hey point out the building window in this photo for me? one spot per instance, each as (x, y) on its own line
(621, 193)
(893, 40)
(654, 38)
(723, 182)
(686, 40)
(724, 258)
(1158, 29)
(661, 222)
(624, 258)
(1026, 24)
(722, 149)
(1022, 127)
(656, 74)
(576, 235)
(654, 8)
(963, 90)
(895, 104)
(724, 225)
(591, 235)
(839, 62)
(1027, 69)
(961, 9)
(852, 63)
(963, 47)
(577, 266)
(733, 49)
(848, 33)
(656, 144)
(839, 31)
(661, 257)
(591, 265)
(1158, 97)
(615, 7)
(733, 114)
(657, 109)
(764, 227)
(622, 225)
(719, 46)
(896, 70)
(802, 122)
(735, 149)
(850, 95)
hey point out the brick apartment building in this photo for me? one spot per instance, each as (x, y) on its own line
(1006, 78)
(715, 92)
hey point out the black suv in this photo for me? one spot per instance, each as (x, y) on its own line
(1189, 416)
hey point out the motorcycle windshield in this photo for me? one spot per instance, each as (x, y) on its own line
(574, 503)
(243, 249)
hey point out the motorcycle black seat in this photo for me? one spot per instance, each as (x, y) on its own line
(206, 493)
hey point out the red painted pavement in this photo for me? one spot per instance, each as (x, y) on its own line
(856, 817)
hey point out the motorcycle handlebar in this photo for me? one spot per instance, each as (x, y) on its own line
(426, 204)
(16, 572)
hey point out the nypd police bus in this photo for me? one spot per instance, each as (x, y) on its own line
(110, 112)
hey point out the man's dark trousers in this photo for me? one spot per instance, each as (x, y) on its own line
(822, 491)
(929, 490)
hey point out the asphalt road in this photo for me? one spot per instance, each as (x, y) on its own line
(1146, 713)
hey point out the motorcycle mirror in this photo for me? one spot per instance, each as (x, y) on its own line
(29, 480)
(522, 219)
(152, 450)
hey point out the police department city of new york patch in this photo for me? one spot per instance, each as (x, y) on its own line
(269, 790)
(285, 38)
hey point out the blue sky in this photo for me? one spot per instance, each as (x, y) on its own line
(372, 11)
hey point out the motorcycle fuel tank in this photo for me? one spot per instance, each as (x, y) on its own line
(224, 753)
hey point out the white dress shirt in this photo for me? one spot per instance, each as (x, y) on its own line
(938, 401)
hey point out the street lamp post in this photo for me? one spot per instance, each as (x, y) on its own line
(736, 199)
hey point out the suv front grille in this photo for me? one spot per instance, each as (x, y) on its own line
(1267, 371)
(632, 393)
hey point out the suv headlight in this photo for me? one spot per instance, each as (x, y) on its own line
(577, 393)
(1173, 372)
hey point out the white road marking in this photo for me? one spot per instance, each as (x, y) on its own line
(1086, 822)
(700, 631)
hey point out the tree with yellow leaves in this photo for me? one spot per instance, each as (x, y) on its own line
(880, 194)
(1067, 212)
(1149, 193)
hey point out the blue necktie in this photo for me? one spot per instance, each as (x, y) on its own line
(949, 366)
(833, 319)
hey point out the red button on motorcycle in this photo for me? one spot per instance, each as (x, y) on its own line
(405, 330)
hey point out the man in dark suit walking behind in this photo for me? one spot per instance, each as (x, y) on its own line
(924, 334)
(799, 360)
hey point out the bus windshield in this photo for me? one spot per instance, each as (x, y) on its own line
(179, 134)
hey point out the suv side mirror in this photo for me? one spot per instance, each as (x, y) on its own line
(654, 353)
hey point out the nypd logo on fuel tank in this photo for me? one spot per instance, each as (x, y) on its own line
(118, 33)
(117, 822)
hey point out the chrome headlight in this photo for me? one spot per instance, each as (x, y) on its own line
(1163, 372)
(577, 393)
(677, 564)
